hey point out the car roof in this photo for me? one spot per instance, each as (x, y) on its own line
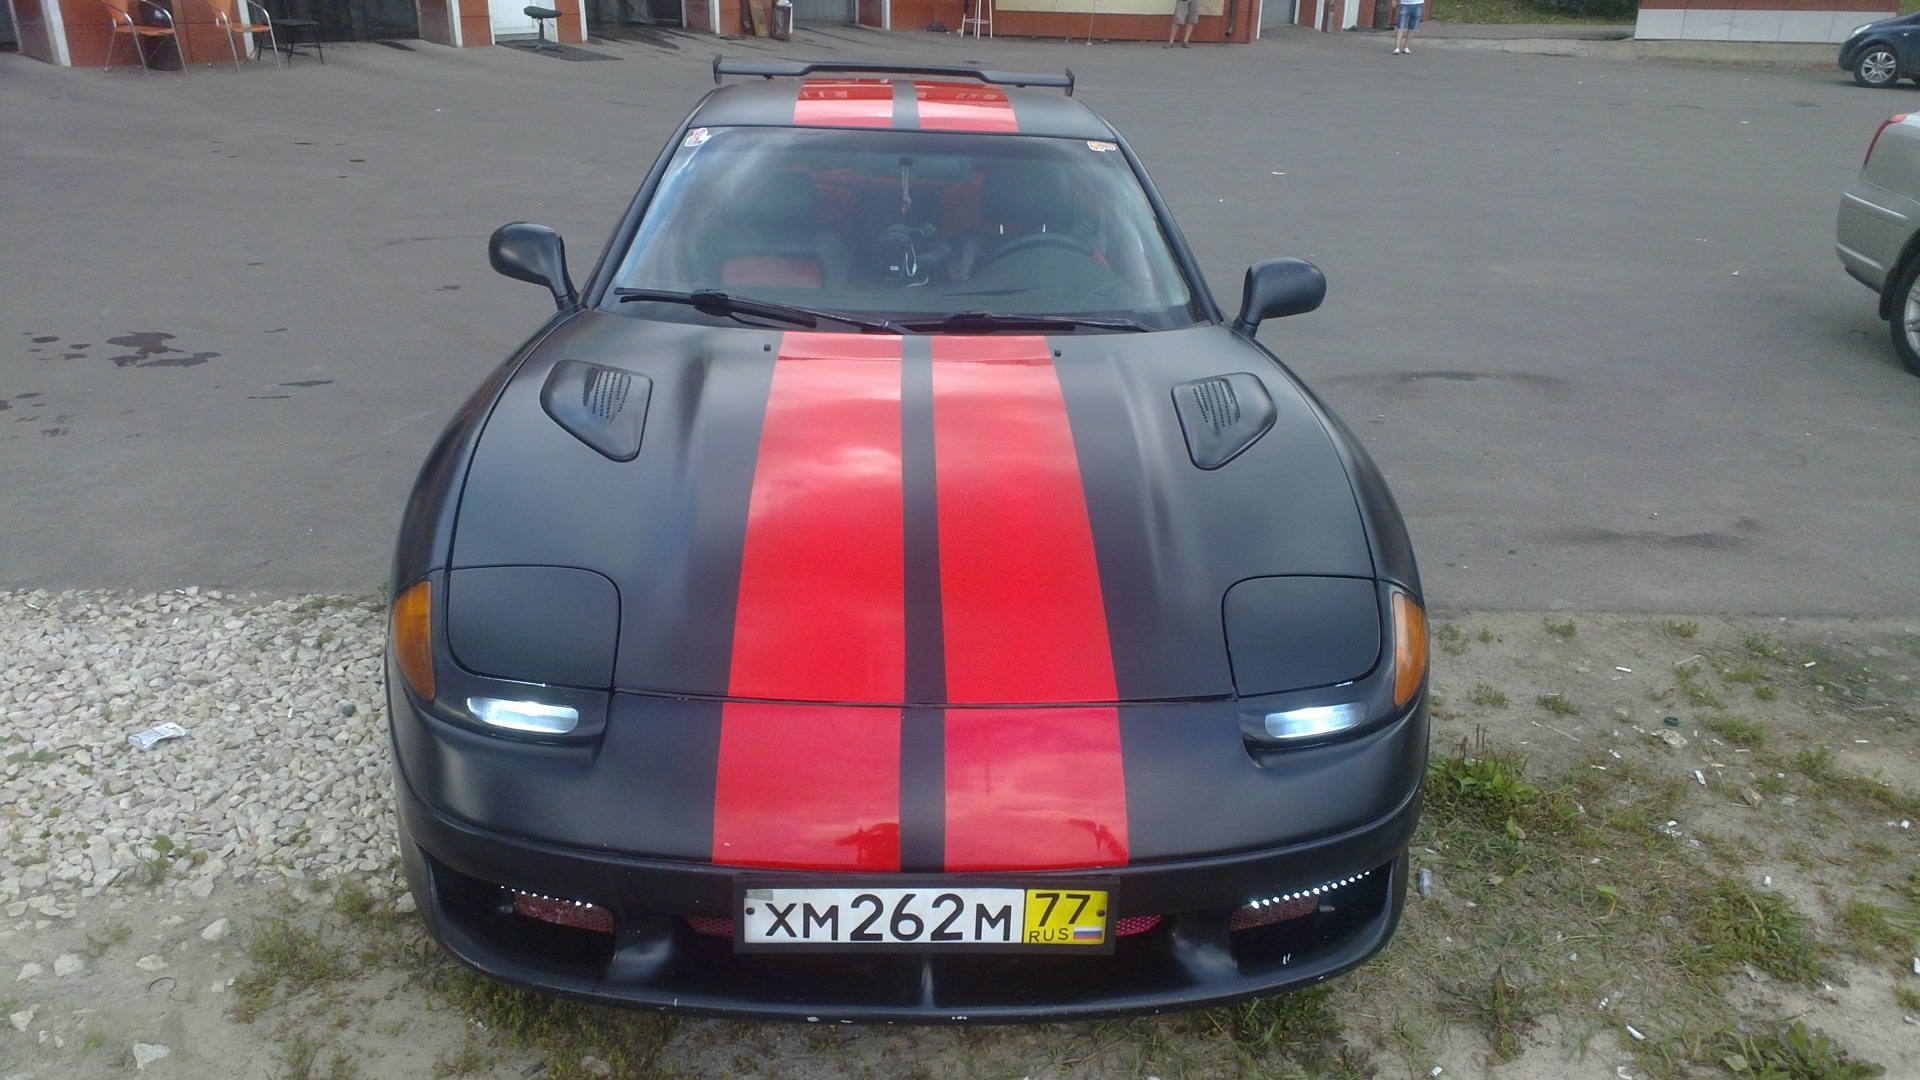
(930, 99)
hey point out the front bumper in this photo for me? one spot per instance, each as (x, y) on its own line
(465, 875)
(655, 959)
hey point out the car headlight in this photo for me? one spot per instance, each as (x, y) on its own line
(1315, 658)
(476, 659)
(1861, 29)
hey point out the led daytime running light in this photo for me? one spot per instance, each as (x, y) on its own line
(1314, 720)
(1317, 890)
(531, 716)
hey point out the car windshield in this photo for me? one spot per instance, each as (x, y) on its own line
(910, 229)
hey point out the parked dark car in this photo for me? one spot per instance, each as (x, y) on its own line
(892, 590)
(1881, 53)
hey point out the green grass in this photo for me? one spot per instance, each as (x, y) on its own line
(1487, 697)
(1558, 705)
(1867, 930)
(1560, 628)
(563, 1032)
(1788, 1051)
(1510, 11)
(299, 1058)
(1737, 730)
(1555, 888)
(288, 957)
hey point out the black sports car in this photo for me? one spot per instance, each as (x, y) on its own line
(1881, 53)
(891, 590)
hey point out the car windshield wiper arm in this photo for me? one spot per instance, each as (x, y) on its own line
(715, 302)
(990, 320)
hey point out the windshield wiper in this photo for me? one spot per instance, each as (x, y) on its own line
(989, 320)
(715, 302)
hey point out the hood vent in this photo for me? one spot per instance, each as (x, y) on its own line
(604, 407)
(1222, 416)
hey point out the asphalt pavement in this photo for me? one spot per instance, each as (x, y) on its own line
(1584, 311)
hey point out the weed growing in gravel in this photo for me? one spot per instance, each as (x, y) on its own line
(1450, 639)
(563, 1032)
(156, 868)
(469, 1060)
(1866, 931)
(1907, 998)
(1505, 1012)
(1735, 926)
(285, 956)
(1298, 1034)
(1558, 705)
(1789, 1052)
(1737, 730)
(299, 1059)
(1487, 697)
(97, 945)
(1561, 629)
(1682, 629)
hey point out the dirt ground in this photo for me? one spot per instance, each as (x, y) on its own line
(1791, 753)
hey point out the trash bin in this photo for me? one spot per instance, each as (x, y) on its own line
(783, 20)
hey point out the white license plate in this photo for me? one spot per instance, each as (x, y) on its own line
(982, 918)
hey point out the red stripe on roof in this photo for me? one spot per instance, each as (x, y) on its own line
(964, 107)
(1023, 620)
(845, 103)
(821, 617)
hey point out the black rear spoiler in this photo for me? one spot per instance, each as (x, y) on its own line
(800, 68)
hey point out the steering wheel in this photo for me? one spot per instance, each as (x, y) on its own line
(1034, 240)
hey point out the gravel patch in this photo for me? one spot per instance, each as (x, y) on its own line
(283, 772)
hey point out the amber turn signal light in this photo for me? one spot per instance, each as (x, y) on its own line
(411, 628)
(1409, 648)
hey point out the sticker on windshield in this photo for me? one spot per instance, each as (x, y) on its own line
(1101, 147)
(696, 137)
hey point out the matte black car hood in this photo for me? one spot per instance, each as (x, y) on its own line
(919, 520)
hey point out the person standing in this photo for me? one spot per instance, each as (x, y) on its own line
(1406, 24)
(1186, 13)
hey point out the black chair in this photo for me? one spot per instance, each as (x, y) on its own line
(290, 30)
(542, 16)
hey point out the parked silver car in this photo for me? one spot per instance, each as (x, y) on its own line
(1876, 234)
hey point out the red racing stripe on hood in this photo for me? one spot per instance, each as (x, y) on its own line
(1022, 618)
(964, 107)
(821, 617)
(845, 103)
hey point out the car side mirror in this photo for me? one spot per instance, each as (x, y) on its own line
(533, 253)
(1277, 288)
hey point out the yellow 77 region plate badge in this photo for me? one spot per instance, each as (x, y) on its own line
(1066, 917)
